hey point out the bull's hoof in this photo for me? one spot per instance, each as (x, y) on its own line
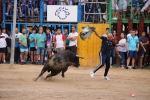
(63, 76)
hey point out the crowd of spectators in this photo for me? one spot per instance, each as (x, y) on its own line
(124, 8)
(36, 45)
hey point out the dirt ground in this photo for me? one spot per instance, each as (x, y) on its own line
(18, 84)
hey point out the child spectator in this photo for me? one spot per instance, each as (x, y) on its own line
(59, 41)
(40, 40)
(32, 46)
(17, 51)
(23, 8)
(49, 42)
(122, 49)
(114, 9)
(136, 7)
(23, 47)
(143, 49)
(132, 48)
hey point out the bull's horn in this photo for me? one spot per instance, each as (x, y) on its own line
(79, 56)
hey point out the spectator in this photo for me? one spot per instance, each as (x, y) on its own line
(23, 47)
(120, 7)
(107, 32)
(114, 9)
(149, 48)
(8, 41)
(23, 8)
(49, 36)
(30, 8)
(147, 4)
(6, 36)
(32, 46)
(40, 40)
(59, 41)
(67, 41)
(73, 40)
(82, 3)
(143, 49)
(113, 49)
(61, 2)
(122, 49)
(45, 7)
(2, 47)
(125, 5)
(136, 7)
(10, 6)
(68, 2)
(51, 2)
(17, 51)
(132, 48)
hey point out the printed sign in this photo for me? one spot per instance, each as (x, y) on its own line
(60, 13)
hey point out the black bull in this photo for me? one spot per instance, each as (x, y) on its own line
(60, 63)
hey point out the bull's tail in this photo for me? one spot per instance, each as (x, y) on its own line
(42, 72)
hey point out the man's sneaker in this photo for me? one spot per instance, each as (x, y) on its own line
(129, 67)
(92, 74)
(22, 63)
(105, 77)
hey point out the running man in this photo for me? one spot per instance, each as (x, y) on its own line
(107, 44)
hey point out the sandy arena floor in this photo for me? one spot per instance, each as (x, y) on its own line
(18, 84)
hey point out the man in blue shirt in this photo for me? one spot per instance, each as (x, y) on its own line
(132, 48)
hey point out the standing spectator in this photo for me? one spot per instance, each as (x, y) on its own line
(73, 40)
(23, 47)
(113, 49)
(143, 49)
(30, 8)
(132, 48)
(149, 48)
(40, 40)
(67, 41)
(82, 3)
(107, 32)
(49, 42)
(114, 9)
(17, 51)
(59, 41)
(6, 36)
(32, 46)
(122, 49)
(8, 41)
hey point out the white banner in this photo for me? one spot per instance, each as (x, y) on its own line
(62, 13)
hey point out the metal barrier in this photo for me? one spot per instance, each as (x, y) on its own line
(96, 11)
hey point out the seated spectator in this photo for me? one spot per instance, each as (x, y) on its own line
(32, 46)
(23, 47)
(10, 6)
(114, 9)
(122, 8)
(147, 4)
(30, 8)
(59, 41)
(143, 51)
(136, 7)
(23, 8)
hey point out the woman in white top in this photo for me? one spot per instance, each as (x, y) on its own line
(122, 49)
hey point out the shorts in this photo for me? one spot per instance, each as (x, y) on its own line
(142, 53)
(49, 49)
(136, 8)
(132, 54)
(40, 51)
(25, 49)
(59, 49)
(114, 6)
(32, 49)
(2, 50)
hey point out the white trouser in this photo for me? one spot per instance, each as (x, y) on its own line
(145, 6)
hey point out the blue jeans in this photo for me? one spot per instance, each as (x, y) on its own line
(104, 58)
(123, 57)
